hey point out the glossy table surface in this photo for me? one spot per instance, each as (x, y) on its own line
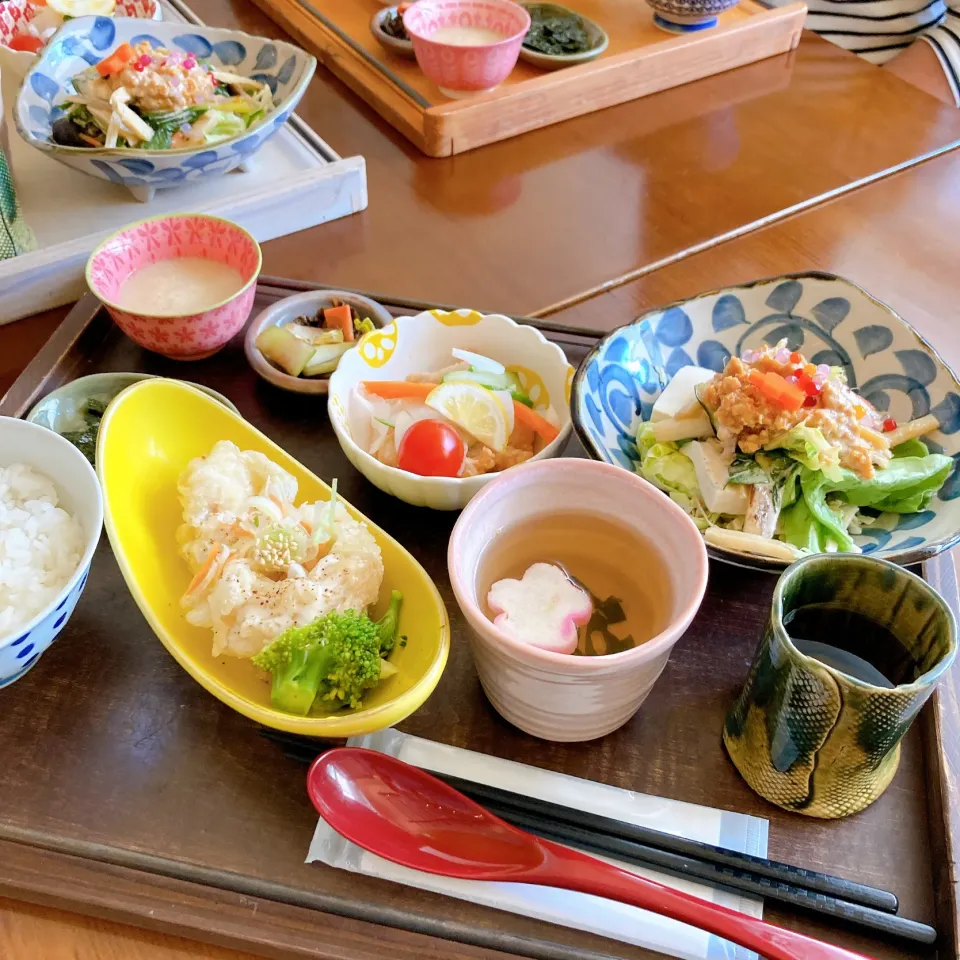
(895, 238)
(531, 224)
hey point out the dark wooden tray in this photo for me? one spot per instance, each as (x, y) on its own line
(128, 792)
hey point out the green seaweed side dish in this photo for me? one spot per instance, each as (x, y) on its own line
(85, 439)
(554, 33)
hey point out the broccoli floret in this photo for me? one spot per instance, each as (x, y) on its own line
(330, 663)
(387, 624)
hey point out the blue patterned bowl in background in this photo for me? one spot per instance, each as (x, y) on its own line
(79, 43)
(688, 16)
(79, 494)
(831, 321)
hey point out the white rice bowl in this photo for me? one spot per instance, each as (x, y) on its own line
(51, 515)
(41, 546)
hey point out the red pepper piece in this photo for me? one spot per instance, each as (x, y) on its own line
(889, 424)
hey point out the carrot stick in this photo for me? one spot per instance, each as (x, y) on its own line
(533, 420)
(340, 318)
(201, 574)
(399, 389)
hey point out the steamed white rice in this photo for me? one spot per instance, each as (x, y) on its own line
(41, 546)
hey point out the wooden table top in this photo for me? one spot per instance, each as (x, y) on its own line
(529, 224)
(895, 238)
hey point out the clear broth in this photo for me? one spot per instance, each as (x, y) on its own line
(624, 573)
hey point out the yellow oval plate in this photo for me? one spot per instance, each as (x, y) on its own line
(148, 435)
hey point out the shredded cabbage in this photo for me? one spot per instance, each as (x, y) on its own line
(222, 126)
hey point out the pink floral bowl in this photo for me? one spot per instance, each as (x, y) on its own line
(557, 696)
(170, 237)
(462, 70)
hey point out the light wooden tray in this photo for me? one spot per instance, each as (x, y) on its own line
(640, 59)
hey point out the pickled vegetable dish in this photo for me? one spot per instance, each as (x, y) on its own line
(313, 346)
(152, 98)
(469, 418)
(779, 457)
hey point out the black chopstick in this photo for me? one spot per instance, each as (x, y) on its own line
(689, 868)
(783, 873)
(678, 856)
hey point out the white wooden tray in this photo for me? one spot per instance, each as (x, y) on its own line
(294, 181)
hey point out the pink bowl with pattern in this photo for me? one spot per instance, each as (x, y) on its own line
(461, 70)
(171, 237)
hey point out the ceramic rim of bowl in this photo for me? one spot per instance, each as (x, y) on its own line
(795, 568)
(646, 650)
(173, 216)
(49, 146)
(483, 46)
(484, 478)
(93, 539)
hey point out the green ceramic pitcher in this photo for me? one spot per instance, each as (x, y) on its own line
(818, 732)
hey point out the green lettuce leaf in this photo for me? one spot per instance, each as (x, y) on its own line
(907, 485)
(807, 445)
(911, 448)
(799, 527)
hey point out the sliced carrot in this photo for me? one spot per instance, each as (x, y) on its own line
(201, 574)
(405, 390)
(116, 61)
(777, 389)
(340, 318)
(533, 420)
(399, 389)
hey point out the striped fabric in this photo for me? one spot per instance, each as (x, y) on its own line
(878, 30)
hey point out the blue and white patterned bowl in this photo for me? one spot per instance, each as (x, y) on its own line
(87, 40)
(79, 492)
(832, 321)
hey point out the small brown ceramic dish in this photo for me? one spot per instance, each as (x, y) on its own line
(287, 311)
(403, 48)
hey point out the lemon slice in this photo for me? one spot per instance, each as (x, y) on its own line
(476, 409)
(83, 8)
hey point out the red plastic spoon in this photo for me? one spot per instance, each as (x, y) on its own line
(405, 815)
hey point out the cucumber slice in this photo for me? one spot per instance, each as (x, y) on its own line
(325, 359)
(284, 350)
(492, 381)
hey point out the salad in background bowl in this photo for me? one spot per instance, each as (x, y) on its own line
(171, 106)
(792, 416)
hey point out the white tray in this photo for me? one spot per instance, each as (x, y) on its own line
(294, 181)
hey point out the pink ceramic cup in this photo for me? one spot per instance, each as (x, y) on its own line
(460, 70)
(169, 237)
(552, 695)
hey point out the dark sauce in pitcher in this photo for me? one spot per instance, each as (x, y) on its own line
(852, 643)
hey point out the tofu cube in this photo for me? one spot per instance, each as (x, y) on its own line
(679, 393)
(712, 474)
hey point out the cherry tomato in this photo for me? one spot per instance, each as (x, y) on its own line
(26, 42)
(431, 448)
